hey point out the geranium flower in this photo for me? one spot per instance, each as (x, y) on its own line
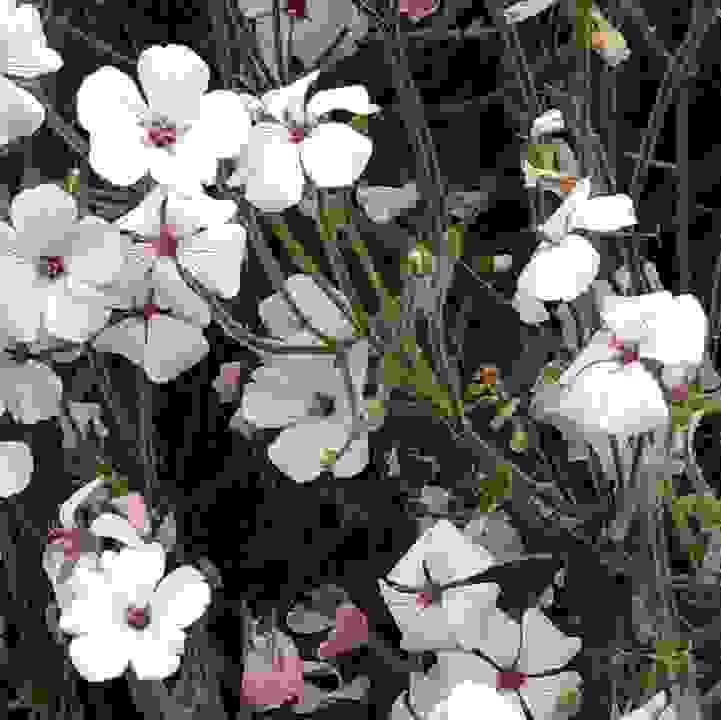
(281, 153)
(425, 594)
(16, 467)
(156, 340)
(127, 615)
(522, 664)
(54, 265)
(317, 24)
(177, 136)
(24, 54)
(564, 263)
(196, 232)
(29, 391)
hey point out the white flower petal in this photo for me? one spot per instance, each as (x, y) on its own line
(542, 694)
(548, 122)
(529, 308)
(99, 657)
(113, 526)
(335, 155)
(467, 698)
(21, 302)
(136, 570)
(354, 460)
(174, 78)
(520, 11)
(215, 256)
(74, 315)
(223, 123)
(318, 307)
(189, 213)
(41, 212)
(126, 338)
(33, 393)
(68, 508)
(16, 467)
(605, 213)
(278, 317)
(181, 598)
(275, 178)
(173, 347)
(353, 98)
(383, 204)
(144, 218)
(152, 659)
(119, 155)
(22, 114)
(559, 224)
(172, 292)
(544, 647)
(98, 251)
(109, 99)
(289, 98)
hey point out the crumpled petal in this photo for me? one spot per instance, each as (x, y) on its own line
(16, 467)
(335, 155)
(274, 175)
(174, 78)
(353, 98)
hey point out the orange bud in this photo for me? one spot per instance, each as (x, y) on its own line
(599, 40)
(567, 183)
(487, 375)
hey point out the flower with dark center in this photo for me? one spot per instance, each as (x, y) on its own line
(51, 266)
(629, 351)
(165, 245)
(138, 618)
(297, 9)
(510, 680)
(296, 135)
(150, 310)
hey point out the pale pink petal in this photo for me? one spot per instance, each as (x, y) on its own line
(335, 155)
(74, 315)
(223, 124)
(22, 115)
(98, 251)
(136, 512)
(120, 156)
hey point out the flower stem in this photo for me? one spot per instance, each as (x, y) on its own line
(278, 43)
(683, 179)
(145, 436)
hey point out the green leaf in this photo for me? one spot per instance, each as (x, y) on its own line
(71, 183)
(39, 695)
(495, 489)
(104, 470)
(119, 487)
(360, 321)
(696, 551)
(328, 457)
(455, 241)
(709, 507)
(359, 247)
(648, 679)
(394, 373)
(359, 123)
(391, 308)
(484, 263)
(664, 488)
(519, 441)
(568, 697)
(505, 408)
(282, 232)
(551, 375)
(545, 157)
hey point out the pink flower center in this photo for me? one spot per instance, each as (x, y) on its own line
(510, 680)
(296, 135)
(424, 599)
(679, 393)
(417, 9)
(165, 245)
(161, 136)
(137, 618)
(231, 375)
(296, 8)
(629, 353)
(54, 266)
(151, 310)
(69, 538)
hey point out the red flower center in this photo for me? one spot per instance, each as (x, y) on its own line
(161, 136)
(296, 8)
(231, 375)
(54, 266)
(137, 618)
(296, 135)
(679, 393)
(424, 599)
(510, 680)
(166, 244)
(151, 310)
(629, 353)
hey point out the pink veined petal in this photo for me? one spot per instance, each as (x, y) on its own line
(16, 467)
(172, 292)
(34, 394)
(541, 694)
(100, 656)
(181, 598)
(41, 213)
(22, 115)
(151, 658)
(353, 98)
(215, 256)
(223, 124)
(74, 316)
(291, 98)
(335, 155)
(297, 450)
(98, 251)
(275, 178)
(109, 99)
(24, 52)
(174, 78)
(545, 647)
(173, 347)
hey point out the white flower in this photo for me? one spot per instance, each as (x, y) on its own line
(154, 339)
(178, 135)
(16, 467)
(24, 54)
(196, 231)
(280, 153)
(429, 615)
(513, 669)
(124, 617)
(53, 265)
(565, 264)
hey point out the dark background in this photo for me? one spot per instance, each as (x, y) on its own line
(270, 538)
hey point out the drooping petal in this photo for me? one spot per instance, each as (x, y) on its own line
(173, 78)
(275, 178)
(109, 100)
(297, 450)
(172, 292)
(42, 213)
(34, 392)
(181, 598)
(335, 155)
(100, 656)
(16, 467)
(353, 98)
(98, 251)
(173, 347)
(524, 9)
(74, 315)
(544, 647)
(215, 256)
(22, 115)
(109, 525)
(562, 271)
(68, 508)
(542, 694)
(290, 98)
